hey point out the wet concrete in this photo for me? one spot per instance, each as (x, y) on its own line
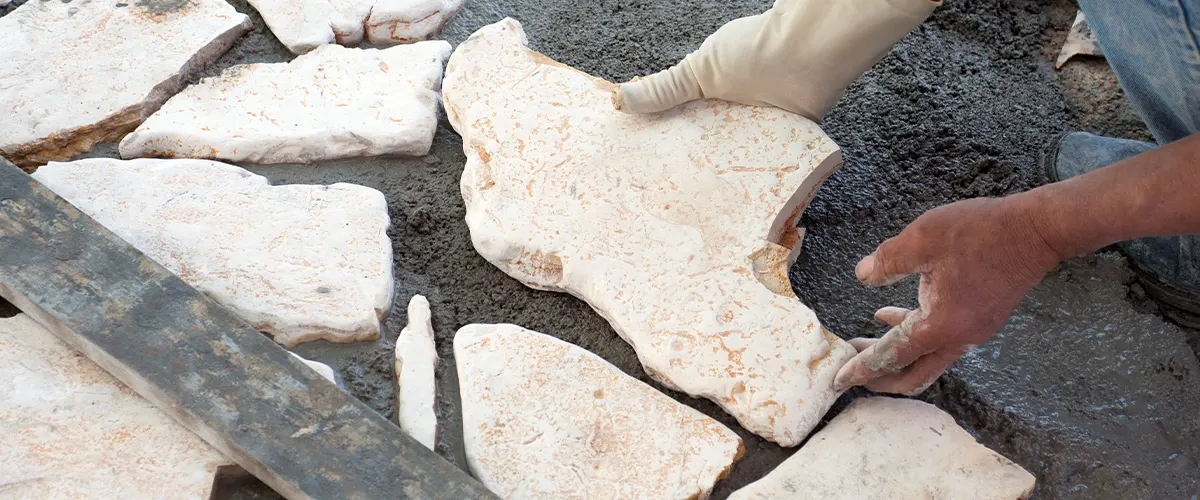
(1086, 387)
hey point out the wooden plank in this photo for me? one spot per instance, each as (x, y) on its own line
(198, 362)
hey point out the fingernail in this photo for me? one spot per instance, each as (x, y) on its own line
(865, 267)
(840, 382)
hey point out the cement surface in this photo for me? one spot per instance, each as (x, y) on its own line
(959, 109)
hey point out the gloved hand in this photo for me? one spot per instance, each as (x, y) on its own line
(800, 56)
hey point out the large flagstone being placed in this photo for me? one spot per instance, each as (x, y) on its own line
(70, 430)
(544, 419)
(303, 25)
(416, 382)
(678, 227)
(884, 449)
(78, 73)
(297, 262)
(333, 102)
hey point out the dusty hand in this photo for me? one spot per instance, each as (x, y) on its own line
(977, 259)
(800, 56)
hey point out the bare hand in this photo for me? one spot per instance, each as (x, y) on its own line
(977, 259)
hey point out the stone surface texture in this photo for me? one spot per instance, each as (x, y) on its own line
(333, 102)
(883, 449)
(394, 21)
(304, 25)
(416, 364)
(70, 430)
(78, 73)
(298, 262)
(678, 228)
(913, 139)
(545, 419)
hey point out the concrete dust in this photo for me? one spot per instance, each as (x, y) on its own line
(1097, 399)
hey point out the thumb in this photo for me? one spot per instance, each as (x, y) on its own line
(660, 91)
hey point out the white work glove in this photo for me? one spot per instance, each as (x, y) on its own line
(800, 56)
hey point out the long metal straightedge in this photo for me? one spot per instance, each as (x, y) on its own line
(202, 365)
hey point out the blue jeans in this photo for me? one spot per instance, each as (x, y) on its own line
(1154, 48)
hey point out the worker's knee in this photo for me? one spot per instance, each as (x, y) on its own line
(1152, 47)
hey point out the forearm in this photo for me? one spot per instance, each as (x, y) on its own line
(1156, 193)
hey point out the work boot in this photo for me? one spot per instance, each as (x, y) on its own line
(1168, 267)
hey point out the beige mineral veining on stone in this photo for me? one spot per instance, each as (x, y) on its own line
(416, 385)
(886, 449)
(678, 228)
(298, 262)
(69, 430)
(77, 73)
(333, 102)
(544, 419)
(303, 25)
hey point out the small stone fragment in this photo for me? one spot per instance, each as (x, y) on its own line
(78, 73)
(297, 262)
(303, 25)
(323, 369)
(884, 448)
(333, 102)
(677, 227)
(1080, 40)
(544, 419)
(70, 430)
(416, 360)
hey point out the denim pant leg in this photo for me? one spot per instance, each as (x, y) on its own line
(1154, 48)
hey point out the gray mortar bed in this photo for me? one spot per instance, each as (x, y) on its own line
(1086, 386)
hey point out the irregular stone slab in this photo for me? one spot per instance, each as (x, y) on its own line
(304, 25)
(883, 449)
(1080, 40)
(333, 102)
(78, 73)
(70, 430)
(678, 228)
(402, 21)
(416, 361)
(297, 262)
(546, 419)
